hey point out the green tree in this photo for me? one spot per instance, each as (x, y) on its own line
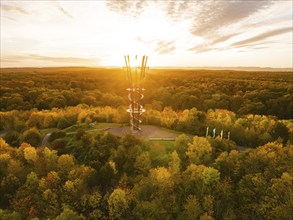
(63, 123)
(175, 167)
(208, 205)
(32, 136)
(168, 117)
(26, 199)
(9, 215)
(181, 146)
(52, 203)
(12, 138)
(9, 184)
(192, 208)
(90, 205)
(143, 163)
(118, 204)
(149, 210)
(69, 214)
(279, 130)
(199, 151)
(200, 180)
(65, 164)
(278, 201)
(251, 192)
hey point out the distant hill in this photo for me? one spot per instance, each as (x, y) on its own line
(232, 68)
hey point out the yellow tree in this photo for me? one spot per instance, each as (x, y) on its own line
(199, 151)
(168, 117)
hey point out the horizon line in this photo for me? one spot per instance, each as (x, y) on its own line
(168, 67)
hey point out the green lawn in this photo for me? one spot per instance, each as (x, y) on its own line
(90, 127)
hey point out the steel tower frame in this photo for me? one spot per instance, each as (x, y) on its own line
(136, 74)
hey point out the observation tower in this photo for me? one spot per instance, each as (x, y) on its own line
(136, 74)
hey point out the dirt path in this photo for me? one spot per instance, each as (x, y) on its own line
(45, 139)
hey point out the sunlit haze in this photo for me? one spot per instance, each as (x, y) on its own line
(171, 33)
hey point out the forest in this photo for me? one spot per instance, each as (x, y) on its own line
(83, 171)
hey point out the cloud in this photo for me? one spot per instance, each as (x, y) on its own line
(208, 18)
(178, 10)
(63, 11)
(254, 45)
(201, 48)
(12, 8)
(261, 37)
(164, 47)
(36, 57)
(214, 15)
(8, 61)
(9, 18)
(211, 45)
(224, 38)
(118, 6)
(131, 8)
(63, 59)
(250, 43)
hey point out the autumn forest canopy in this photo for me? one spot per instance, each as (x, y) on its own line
(59, 161)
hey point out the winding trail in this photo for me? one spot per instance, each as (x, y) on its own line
(45, 139)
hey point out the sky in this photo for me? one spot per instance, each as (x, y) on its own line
(190, 33)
